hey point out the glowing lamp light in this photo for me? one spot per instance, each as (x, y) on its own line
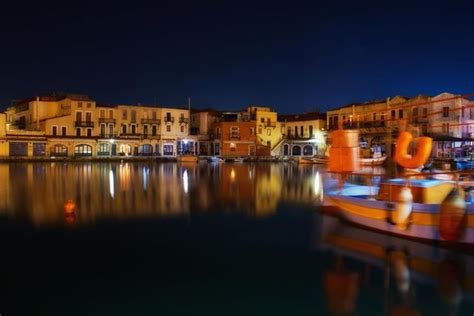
(185, 141)
(232, 174)
(112, 141)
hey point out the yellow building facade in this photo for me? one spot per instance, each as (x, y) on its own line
(74, 125)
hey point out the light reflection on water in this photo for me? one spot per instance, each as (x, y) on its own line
(124, 190)
(202, 239)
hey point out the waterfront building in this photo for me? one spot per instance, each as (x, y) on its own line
(447, 118)
(268, 132)
(234, 137)
(74, 125)
(302, 135)
(202, 124)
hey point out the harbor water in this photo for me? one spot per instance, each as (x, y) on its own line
(147, 238)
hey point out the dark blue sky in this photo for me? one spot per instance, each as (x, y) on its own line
(293, 56)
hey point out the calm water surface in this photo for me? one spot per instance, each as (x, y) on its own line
(203, 239)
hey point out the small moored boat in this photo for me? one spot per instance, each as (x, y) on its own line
(187, 158)
(313, 160)
(373, 161)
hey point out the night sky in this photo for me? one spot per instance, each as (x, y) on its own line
(293, 56)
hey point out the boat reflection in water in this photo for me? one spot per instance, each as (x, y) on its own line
(401, 270)
(141, 190)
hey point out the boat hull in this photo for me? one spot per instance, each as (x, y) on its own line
(187, 159)
(312, 160)
(376, 215)
(373, 161)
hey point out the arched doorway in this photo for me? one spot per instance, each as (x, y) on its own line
(286, 149)
(125, 150)
(83, 150)
(58, 150)
(308, 150)
(146, 150)
(296, 150)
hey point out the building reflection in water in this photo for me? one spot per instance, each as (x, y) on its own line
(36, 192)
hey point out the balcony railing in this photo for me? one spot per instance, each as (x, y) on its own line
(169, 119)
(84, 124)
(183, 120)
(106, 120)
(108, 135)
(234, 137)
(269, 124)
(151, 121)
(130, 135)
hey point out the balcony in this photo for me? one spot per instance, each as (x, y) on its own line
(130, 135)
(108, 135)
(84, 124)
(106, 120)
(183, 120)
(151, 121)
(169, 119)
(234, 137)
(269, 124)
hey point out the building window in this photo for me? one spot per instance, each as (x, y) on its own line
(134, 116)
(89, 132)
(133, 128)
(63, 130)
(102, 130)
(88, 116)
(394, 114)
(145, 130)
(252, 131)
(234, 132)
(182, 128)
(445, 111)
(311, 131)
(54, 130)
(374, 117)
(302, 131)
(218, 132)
(153, 115)
(89, 105)
(415, 113)
(167, 150)
(124, 129)
(78, 131)
(400, 114)
(111, 130)
(111, 114)
(269, 132)
(78, 116)
(168, 128)
(83, 150)
(124, 114)
(262, 120)
(153, 129)
(102, 113)
(39, 149)
(425, 112)
(79, 104)
(260, 130)
(104, 148)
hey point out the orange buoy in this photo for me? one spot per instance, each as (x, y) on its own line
(344, 153)
(423, 151)
(452, 216)
(69, 207)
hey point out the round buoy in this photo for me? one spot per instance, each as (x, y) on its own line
(70, 207)
(403, 208)
(451, 215)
